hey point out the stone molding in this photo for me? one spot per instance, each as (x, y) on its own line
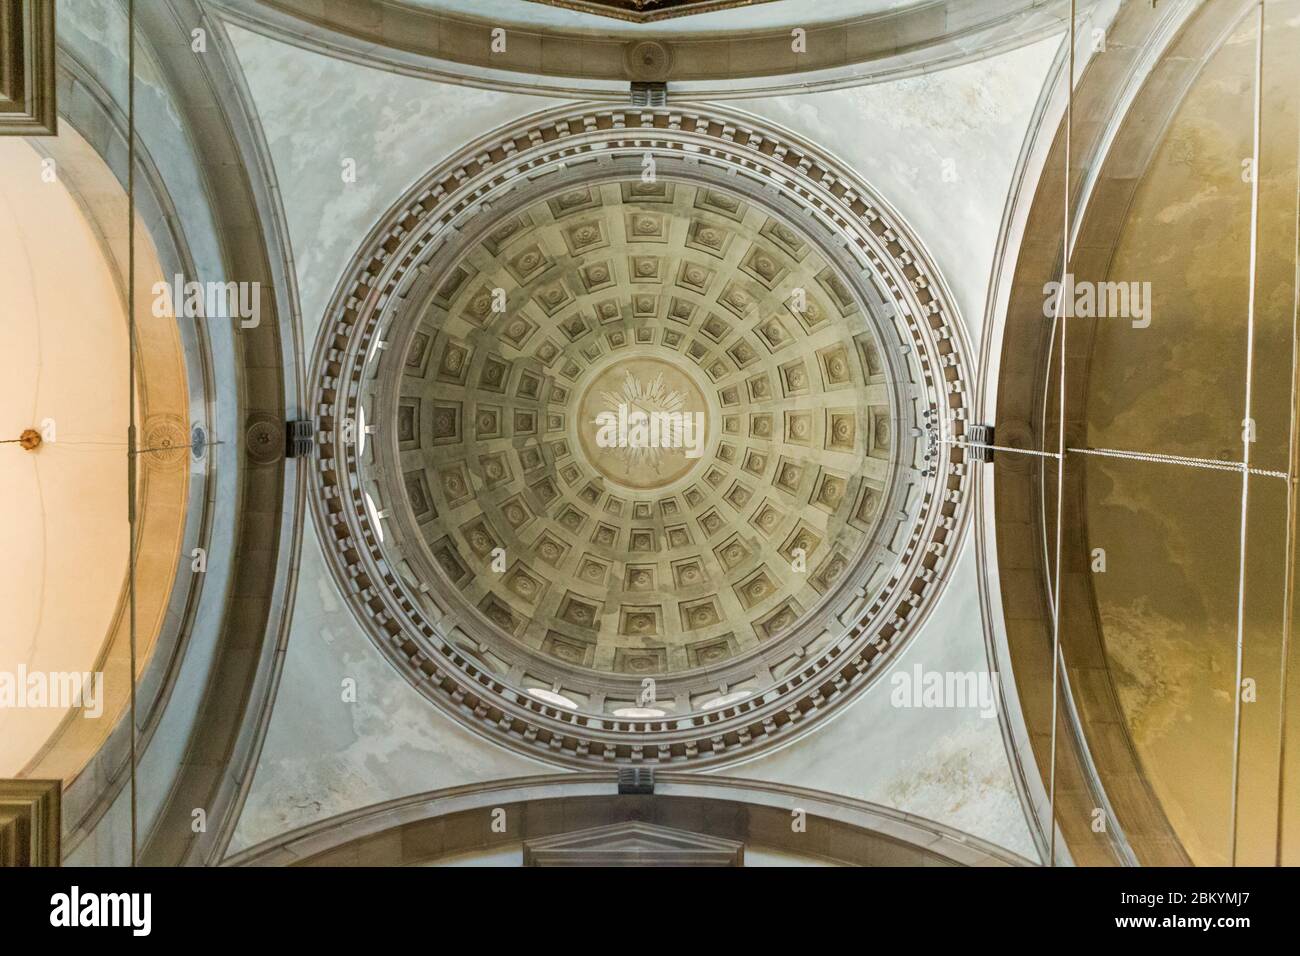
(456, 49)
(426, 826)
(29, 822)
(633, 843)
(28, 72)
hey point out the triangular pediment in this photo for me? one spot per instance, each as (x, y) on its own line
(647, 11)
(633, 843)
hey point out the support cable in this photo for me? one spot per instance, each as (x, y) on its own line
(1247, 430)
(983, 446)
(1214, 464)
(1062, 320)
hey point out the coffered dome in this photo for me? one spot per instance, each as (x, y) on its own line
(660, 297)
(708, 566)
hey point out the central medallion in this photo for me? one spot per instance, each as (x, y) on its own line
(643, 423)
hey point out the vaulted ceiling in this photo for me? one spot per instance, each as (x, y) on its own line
(519, 252)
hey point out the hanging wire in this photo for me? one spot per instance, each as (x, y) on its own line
(1213, 464)
(1062, 320)
(131, 375)
(983, 446)
(1247, 429)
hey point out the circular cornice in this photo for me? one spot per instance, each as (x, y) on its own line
(771, 167)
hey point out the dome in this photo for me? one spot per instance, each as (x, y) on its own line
(557, 537)
(530, 536)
